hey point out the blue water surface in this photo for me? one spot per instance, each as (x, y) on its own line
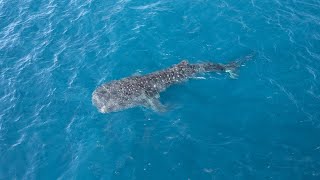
(263, 125)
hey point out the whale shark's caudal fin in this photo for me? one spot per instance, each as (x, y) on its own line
(234, 65)
(229, 68)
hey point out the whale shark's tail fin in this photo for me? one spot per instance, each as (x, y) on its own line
(234, 65)
(229, 68)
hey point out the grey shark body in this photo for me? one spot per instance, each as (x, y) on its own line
(144, 90)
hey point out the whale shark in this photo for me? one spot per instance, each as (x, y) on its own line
(144, 90)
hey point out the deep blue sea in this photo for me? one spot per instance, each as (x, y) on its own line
(263, 125)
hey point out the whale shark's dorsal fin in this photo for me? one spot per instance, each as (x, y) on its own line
(184, 62)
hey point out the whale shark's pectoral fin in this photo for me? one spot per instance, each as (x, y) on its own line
(155, 104)
(232, 74)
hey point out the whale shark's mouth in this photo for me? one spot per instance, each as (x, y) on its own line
(98, 102)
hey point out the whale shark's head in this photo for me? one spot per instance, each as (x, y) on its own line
(105, 102)
(112, 97)
(99, 102)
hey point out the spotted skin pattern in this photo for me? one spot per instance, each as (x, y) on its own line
(144, 90)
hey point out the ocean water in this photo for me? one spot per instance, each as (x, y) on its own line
(263, 125)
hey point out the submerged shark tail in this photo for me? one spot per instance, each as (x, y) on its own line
(234, 65)
(229, 68)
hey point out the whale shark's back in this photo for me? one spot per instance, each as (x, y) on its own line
(143, 90)
(137, 90)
